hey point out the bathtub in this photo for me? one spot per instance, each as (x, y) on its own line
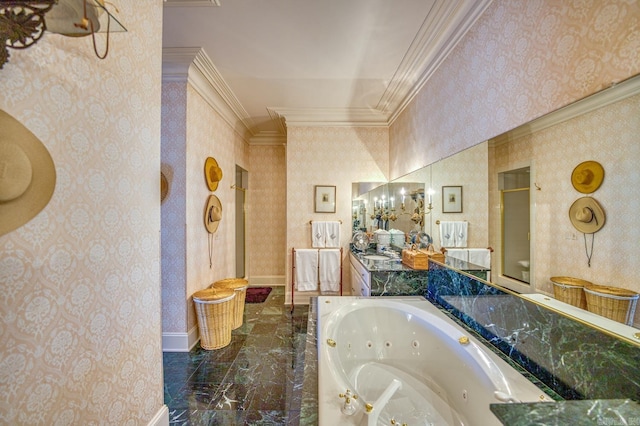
(407, 362)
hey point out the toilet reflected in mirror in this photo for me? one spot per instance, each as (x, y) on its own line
(516, 235)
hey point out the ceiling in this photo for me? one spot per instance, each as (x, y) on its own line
(312, 62)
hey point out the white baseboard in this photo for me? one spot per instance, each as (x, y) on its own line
(161, 418)
(180, 342)
(267, 280)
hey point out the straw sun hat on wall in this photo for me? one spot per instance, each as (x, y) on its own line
(586, 215)
(587, 177)
(27, 174)
(212, 173)
(212, 214)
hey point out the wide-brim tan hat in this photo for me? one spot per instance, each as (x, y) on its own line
(164, 187)
(27, 174)
(67, 17)
(587, 177)
(586, 215)
(212, 173)
(212, 214)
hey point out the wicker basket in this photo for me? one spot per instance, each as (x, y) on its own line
(213, 310)
(614, 303)
(239, 286)
(570, 290)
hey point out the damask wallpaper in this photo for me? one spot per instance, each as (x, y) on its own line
(329, 156)
(267, 212)
(80, 307)
(519, 61)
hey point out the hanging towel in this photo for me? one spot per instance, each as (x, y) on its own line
(318, 234)
(460, 233)
(462, 254)
(447, 236)
(329, 270)
(332, 234)
(307, 269)
(480, 256)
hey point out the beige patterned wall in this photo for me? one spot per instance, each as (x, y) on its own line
(267, 229)
(80, 304)
(192, 131)
(208, 135)
(610, 136)
(519, 61)
(329, 156)
(173, 211)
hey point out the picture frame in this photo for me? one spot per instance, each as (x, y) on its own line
(324, 198)
(452, 199)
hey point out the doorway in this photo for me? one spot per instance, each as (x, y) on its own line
(241, 221)
(515, 209)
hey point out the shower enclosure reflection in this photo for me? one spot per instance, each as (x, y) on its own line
(515, 218)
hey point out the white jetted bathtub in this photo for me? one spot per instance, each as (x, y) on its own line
(407, 363)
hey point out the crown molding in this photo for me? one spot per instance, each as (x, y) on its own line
(332, 117)
(614, 93)
(268, 138)
(192, 64)
(431, 47)
(192, 2)
(279, 120)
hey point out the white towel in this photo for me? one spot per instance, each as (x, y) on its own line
(480, 256)
(329, 270)
(462, 254)
(332, 234)
(307, 269)
(460, 233)
(447, 236)
(318, 234)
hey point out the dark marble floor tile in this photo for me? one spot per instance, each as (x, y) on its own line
(255, 380)
(265, 418)
(232, 396)
(206, 417)
(269, 397)
(210, 372)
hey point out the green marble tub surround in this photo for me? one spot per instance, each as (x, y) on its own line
(574, 359)
(399, 283)
(586, 412)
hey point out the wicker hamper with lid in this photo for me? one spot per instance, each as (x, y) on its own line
(213, 310)
(239, 286)
(570, 290)
(615, 303)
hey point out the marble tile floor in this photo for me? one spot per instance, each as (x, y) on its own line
(256, 380)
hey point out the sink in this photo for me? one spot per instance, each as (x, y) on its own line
(375, 257)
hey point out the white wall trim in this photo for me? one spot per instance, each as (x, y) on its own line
(192, 64)
(161, 418)
(180, 342)
(432, 46)
(273, 280)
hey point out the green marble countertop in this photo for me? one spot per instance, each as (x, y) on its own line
(397, 265)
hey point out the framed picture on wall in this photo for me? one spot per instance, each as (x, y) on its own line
(451, 199)
(325, 198)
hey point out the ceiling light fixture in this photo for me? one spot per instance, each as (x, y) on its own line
(23, 22)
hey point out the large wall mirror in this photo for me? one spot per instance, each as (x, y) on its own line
(603, 127)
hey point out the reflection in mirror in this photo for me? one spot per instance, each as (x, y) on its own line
(514, 205)
(602, 127)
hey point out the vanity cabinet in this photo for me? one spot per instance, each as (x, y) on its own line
(360, 278)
